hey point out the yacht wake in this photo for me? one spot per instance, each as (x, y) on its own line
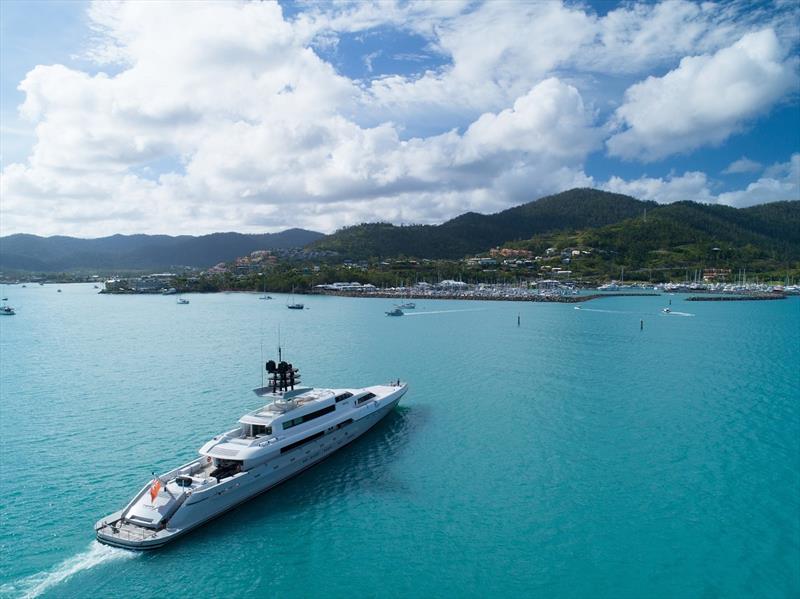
(36, 584)
(443, 311)
(582, 309)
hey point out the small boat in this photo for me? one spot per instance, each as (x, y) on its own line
(265, 296)
(58, 290)
(395, 312)
(182, 301)
(293, 305)
(7, 311)
(666, 310)
(407, 306)
(5, 299)
(24, 285)
(96, 287)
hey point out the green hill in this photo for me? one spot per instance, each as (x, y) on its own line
(472, 233)
(685, 235)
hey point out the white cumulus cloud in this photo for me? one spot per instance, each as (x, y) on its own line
(665, 190)
(260, 134)
(743, 165)
(780, 182)
(705, 100)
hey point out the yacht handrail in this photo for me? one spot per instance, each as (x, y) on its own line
(231, 434)
(164, 477)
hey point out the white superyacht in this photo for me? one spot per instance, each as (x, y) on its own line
(297, 428)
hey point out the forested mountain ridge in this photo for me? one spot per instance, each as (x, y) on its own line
(59, 253)
(472, 233)
(686, 234)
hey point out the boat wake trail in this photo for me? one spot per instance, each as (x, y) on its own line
(606, 311)
(38, 583)
(671, 313)
(443, 311)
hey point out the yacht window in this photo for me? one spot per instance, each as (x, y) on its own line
(261, 429)
(366, 397)
(343, 396)
(309, 416)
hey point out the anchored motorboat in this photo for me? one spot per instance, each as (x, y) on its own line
(7, 311)
(296, 429)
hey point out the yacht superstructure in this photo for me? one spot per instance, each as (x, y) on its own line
(297, 428)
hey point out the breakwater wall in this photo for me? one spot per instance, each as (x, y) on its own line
(499, 297)
(737, 298)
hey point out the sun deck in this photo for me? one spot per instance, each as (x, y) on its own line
(266, 414)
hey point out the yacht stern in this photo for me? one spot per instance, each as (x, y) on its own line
(116, 531)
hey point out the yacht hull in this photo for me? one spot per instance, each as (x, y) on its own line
(228, 494)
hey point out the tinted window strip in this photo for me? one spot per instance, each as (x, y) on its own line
(296, 444)
(367, 397)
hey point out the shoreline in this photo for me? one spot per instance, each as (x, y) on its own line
(702, 296)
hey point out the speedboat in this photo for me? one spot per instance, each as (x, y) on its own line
(182, 301)
(265, 297)
(666, 310)
(7, 311)
(297, 428)
(395, 312)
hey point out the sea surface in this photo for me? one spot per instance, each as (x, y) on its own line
(573, 455)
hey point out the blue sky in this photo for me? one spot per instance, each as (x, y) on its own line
(198, 117)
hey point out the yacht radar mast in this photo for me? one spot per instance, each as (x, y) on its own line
(281, 377)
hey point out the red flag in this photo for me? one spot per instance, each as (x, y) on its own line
(155, 489)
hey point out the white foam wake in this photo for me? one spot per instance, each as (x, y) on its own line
(582, 309)
(443, 311)
(36, 584)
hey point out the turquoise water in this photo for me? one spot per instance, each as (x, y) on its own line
(572, 456)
